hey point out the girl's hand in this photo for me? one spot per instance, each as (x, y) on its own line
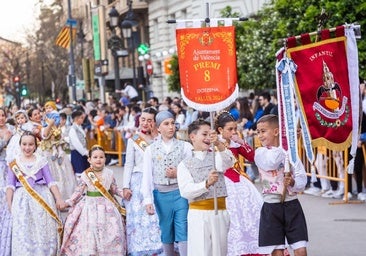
(236, 138)
(127, 193)
(61, 205)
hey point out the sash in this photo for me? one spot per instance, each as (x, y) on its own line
(140, 141)
(19, 174)
(237, 168)
(93, 178)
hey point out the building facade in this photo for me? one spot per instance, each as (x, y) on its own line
(154, 31)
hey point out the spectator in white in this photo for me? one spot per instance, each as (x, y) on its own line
(129, 91)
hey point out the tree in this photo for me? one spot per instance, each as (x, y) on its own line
(173, 80)
(261, 36)
(11, 54)
(50, 63)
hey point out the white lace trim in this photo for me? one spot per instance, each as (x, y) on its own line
(32, 170)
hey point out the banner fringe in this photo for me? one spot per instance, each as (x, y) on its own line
(215, 106)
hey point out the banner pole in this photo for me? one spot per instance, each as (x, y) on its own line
(207, 21)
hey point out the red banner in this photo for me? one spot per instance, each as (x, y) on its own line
(323, 89)
(207, 66)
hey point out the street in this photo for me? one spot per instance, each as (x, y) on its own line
(335, 228)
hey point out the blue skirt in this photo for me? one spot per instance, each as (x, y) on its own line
(79, 162)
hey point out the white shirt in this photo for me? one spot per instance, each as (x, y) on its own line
(74, 140)
(130, 91)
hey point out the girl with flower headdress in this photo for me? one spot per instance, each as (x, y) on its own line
(243, 200)
(95, 225)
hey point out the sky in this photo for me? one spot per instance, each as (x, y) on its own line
(16, 17)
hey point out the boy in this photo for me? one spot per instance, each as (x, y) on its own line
(207, 232)
(78, 146)
(279, 221)
(159, 184)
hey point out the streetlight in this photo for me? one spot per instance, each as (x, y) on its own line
(115, 43)
(127, 25)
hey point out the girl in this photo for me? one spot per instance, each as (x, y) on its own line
(6, 131)
(243, 201)
(143, 233)
(95, 225)
(22, 124)
(31, 195)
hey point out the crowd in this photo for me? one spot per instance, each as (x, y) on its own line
(184, 189)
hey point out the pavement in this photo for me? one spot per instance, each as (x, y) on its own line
(335, 228)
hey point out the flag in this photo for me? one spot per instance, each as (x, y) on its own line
(63, 38)
(327, 87)
(207, 66)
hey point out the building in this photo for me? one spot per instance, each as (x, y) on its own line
(153, 30)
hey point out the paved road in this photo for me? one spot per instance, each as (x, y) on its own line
(335, 228)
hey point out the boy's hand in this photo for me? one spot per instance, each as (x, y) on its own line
(288, 180)
(212, 178)
(171, 172)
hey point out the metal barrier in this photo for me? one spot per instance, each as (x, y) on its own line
(110, 140)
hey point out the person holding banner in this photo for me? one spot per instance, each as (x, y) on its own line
(207, 231)
(31, 194)
(243, 199)
(282, 218)
(159, 184)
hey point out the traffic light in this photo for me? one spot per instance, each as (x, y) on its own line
(143, 49)
(16, 83)
(24, 90)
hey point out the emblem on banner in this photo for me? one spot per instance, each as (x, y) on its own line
(330, 103)
(206, 39)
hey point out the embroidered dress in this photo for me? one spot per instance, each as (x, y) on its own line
(5, 216)
(94, 225)
(62, 172)
(34, 231)
(244, 203)
(143, 232)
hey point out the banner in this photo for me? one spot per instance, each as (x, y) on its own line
(326, 82)
(207, 66)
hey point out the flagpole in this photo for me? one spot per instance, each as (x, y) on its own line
(356, 28)
(72, 78)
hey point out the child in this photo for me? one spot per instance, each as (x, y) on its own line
(197, 177)
(56, 143)
(6, 132)
(22, 124)
(159, 184)
(243, 210)
(95, 225)
(143, 232)
(78, 146)
(279, 221)
(31, 195)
